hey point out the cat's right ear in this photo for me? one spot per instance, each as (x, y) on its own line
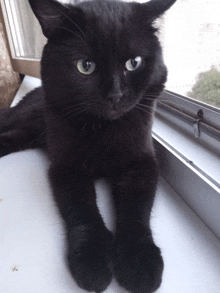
(50, 14)
(155, 8)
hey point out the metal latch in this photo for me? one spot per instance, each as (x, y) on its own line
(196, 123)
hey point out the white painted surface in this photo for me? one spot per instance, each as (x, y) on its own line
(32, 249)
(28, 84)
(32, 236)
(199, 155)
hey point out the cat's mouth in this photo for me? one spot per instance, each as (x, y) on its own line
(114, 114)
(117, 112)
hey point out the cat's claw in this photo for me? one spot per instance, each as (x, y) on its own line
(138, 266)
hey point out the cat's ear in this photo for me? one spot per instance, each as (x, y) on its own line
(155, 8)
(51, 14)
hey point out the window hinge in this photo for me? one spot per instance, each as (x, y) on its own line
(196, 128)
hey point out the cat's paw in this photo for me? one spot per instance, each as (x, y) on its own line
(138, 266)
(89, 260)
(91, 271)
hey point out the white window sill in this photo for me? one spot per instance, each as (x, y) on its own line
(192, 170)
(197, 155)
(32, 247)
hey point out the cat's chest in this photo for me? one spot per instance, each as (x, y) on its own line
(96, 149)
(104, 151)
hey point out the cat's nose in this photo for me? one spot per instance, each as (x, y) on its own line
(114, 99)
(115, 94)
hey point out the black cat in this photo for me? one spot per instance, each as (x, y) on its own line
(102, 70)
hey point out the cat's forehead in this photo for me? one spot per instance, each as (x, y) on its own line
(107, 12)
(113, 26)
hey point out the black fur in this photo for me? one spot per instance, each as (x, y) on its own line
(98, 125)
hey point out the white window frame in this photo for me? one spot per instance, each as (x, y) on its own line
(26, 66)
(198, 119)
(199, 123)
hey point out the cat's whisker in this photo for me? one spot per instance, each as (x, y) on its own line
(146, 106)
(160, 101)
(156, 101)
(85, 102)
(151, 95)
(137, 115)
(149, 99)
(143, 109)
(87, 105)
(72, 109)
(77, 106)
(73, 112)
(72, 115)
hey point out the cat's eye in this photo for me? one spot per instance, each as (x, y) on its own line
(133, 64)
(85, 66)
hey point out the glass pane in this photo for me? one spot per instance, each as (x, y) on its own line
(191, 40)
(27, 38)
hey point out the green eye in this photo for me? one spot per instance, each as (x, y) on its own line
(133, 64)
(85, 66)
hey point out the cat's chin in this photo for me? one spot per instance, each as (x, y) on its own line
(114, 115)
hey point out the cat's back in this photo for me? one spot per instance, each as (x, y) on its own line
(27, 113)
(34, 98)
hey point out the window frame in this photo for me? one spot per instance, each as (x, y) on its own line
(198, 119)
(199, 123)
(25, 66)
(192, 184)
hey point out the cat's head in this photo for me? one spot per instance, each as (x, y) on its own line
(102, 56)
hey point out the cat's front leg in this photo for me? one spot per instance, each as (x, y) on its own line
(89, 242)
(138, 263)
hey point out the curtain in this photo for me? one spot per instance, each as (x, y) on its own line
(9, 80)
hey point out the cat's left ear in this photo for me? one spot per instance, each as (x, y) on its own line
(156, 8)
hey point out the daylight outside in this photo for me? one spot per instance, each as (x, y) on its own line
(191, 41)
(189, 33)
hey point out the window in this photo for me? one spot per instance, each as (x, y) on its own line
(192, 49)
(191, 39)
(187, 123)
